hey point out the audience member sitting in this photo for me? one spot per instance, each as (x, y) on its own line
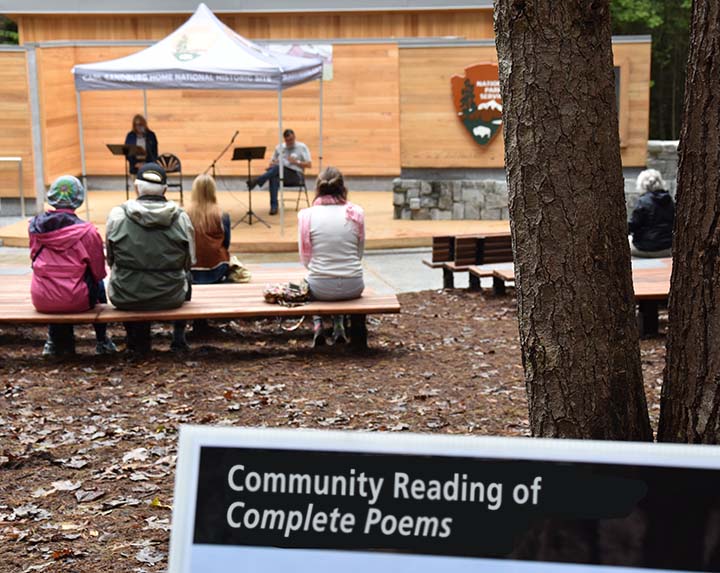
(332, 242)
(68, 266)
(151, 249)
(651, 223)
(212, 233)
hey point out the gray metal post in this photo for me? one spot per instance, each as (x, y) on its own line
(320, 144)
(82, 154)
(281, 191)
(22, 190)
(36, 130)
(145, 113)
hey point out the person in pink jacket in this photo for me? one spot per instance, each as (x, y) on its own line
(68, 266)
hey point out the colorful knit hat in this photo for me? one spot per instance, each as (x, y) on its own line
(66, 192)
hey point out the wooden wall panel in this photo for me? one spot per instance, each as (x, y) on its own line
(471, 24)
(15, 124)
(431, 135)
(362, 117)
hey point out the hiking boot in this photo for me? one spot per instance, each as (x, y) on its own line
(274, 211)
(318, 333)
(52, 350)
(180, 347)
(105, 347)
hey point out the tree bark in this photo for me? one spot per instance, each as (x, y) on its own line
(690, 405)
(576, 307)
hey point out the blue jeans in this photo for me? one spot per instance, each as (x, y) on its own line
(292, 179)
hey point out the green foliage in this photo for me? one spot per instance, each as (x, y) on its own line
(467, 97)
(8, 31)
(668, 21)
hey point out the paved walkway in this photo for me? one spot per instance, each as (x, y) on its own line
(399, 270)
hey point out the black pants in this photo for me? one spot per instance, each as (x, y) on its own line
(63, 336)
(139, 338)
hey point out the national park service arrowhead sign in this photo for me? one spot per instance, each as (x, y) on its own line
(477, 100)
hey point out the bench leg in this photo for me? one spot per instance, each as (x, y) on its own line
(358, 331)
(475, 284)
(498, 286)
(448, 279)
(648, 322)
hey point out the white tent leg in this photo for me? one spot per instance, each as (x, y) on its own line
(320, 143)
(145, 113)
(82, 154)
(281, 191)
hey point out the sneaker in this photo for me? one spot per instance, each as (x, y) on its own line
(107, 346)
(49, 349)
(318, 334)
(339, 334)
(274, 211)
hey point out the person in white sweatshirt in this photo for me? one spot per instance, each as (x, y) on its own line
(332, 242)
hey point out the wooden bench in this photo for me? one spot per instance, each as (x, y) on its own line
(651, 285)
(208, 302)
(467, 251)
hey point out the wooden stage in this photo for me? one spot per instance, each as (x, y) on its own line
(382, 231)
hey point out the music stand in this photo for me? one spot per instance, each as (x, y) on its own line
(126, 151)
(248, 154)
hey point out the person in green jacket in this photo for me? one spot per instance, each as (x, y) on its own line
(150, 245)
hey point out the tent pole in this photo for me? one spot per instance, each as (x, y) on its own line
(145, 104)
(281, 191)
(320, 145)
(82, 153)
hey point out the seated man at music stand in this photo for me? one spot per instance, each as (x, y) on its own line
(296, 158)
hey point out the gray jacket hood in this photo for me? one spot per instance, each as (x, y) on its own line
(152, 212)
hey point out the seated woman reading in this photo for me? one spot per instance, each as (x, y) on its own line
(332, 242)
(212, 233)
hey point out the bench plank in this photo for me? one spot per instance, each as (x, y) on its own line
(209, 301)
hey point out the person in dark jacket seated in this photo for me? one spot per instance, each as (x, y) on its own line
(143, 137)
(651, 222)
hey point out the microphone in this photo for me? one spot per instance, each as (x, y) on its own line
(237, 132)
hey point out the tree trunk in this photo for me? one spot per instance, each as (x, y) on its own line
(690, 406)
(576, 307)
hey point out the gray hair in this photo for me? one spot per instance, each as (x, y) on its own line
(650, 180)
(147, 188)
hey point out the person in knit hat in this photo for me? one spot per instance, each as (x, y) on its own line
(68, 266)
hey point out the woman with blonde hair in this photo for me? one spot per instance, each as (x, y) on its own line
(212, 232)
(332, 243)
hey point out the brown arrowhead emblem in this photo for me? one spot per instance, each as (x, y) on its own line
(477, 100)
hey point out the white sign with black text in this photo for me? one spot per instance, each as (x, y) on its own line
(315, 501)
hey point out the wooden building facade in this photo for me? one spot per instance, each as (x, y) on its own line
(388, 106)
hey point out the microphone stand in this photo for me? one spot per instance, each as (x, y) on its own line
(219, 157)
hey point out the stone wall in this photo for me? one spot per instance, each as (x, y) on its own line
(663, 156)
(446, 199)
(416, 199)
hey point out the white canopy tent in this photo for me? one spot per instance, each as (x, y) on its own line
(204, 54)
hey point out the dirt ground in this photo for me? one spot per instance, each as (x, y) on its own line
(87, 446)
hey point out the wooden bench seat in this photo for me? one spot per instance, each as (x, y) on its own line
(651, 285)
(208, 302)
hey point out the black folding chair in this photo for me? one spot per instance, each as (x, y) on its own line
(301, 189)
(172, 165)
